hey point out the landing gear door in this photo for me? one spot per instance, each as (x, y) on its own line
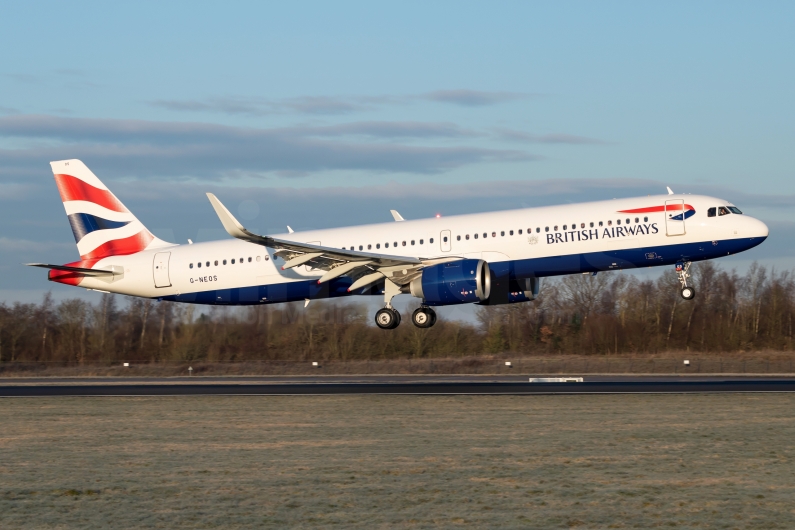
(445, 240)
(675, 217)
(160, 269)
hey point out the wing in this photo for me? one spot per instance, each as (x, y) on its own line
(364, 267)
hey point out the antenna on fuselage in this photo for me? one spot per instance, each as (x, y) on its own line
(670, 191)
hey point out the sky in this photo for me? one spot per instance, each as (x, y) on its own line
(330, 114)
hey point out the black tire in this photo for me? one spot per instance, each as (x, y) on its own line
(433, 315)
(397, 317)
(387, 318)
(422, 317)
(688, 293)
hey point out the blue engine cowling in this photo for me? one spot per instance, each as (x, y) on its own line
(457, 282)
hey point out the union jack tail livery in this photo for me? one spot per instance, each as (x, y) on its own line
(101, 224)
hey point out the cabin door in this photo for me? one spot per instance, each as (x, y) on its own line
(675, 217)
(445, 240)
(160, 269)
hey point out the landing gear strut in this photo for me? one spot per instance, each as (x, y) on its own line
(388, 317)
(424, 317)
(688, 291)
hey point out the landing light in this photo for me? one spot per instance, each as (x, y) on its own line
(438, 215)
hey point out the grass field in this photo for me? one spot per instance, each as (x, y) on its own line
(631, 461)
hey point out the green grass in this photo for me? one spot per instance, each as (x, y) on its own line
(632, 461)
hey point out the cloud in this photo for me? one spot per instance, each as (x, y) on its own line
(331, 105)
(471, 98)
(27, 246)
(179, 149)
(554, 138)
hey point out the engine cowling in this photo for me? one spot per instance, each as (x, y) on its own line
(457, 282)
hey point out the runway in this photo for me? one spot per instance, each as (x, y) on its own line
(384, 385)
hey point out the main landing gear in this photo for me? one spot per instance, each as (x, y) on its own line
(389, 318)
(688, 291)
(424, 317)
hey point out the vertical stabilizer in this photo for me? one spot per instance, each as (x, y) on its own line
(101, 224)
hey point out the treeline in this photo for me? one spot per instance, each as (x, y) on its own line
(610, 313)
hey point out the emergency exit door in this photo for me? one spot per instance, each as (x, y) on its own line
(445, 240)
(160, 269)
(675, 217)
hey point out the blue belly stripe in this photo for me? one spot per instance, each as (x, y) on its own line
(527, 268)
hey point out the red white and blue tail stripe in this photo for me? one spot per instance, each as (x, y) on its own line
(101, 224)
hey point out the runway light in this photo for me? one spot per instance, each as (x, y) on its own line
(687, 363)
(508, 364)
(316, 364)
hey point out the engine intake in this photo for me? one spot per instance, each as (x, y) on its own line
(457, 282)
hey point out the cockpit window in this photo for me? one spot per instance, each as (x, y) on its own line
(723, 210)
(711, 212)
(735, 209)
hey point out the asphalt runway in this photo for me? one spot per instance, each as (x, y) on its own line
(401, 385)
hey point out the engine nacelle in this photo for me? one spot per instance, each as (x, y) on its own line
(457, 282)
(504, 291)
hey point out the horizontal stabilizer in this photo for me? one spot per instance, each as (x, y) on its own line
(78, 270)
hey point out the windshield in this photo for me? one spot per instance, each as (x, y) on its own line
(734, 209)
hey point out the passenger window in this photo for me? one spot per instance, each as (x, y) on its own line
(564, 227)
(241, 261)
(609, 223)
(386, 245)
(224, 262)
(457, 238)
(520, 231)
(233, 261)
(618, 221)
(494, 234)
(645, 219)
(546, 229)
(258, 258)
(485, 235)
(510, 233)
(628, 221)
(444, 239)
(199, 265)
(538, 230)
(191, 265)
(430, 240)
(601, 223)
(591, 224)
(369, 247)
(404, 243)
(378, 245)
(361, 247)
(422, 241)
(637, 220)
(582, 225)
(207, 264)
(466, 237)
(502, 233)
(395, 244)
(556, 228)
(249, 260)
(476, 236)
(412, 241)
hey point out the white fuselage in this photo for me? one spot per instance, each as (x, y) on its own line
(528, 242)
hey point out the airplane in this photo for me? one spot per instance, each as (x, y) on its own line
(485, 258)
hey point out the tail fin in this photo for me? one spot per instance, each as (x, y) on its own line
(101, 224)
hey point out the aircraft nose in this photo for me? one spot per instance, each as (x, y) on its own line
(758, 228)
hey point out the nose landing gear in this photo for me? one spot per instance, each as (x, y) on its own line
(688, 291)
(424, 317)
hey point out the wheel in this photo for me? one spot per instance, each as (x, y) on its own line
(387, 318)
(422, 317)
(688, 293)
(433, 316)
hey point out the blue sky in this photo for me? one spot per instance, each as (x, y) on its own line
(329, 114)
